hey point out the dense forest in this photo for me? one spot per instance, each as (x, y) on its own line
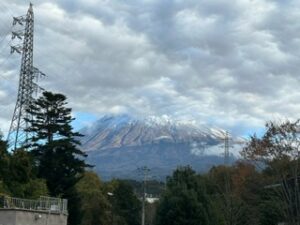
(262, 188)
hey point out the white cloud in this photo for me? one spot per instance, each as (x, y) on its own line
(233, 65)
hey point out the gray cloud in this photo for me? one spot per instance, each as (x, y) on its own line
(233, 65)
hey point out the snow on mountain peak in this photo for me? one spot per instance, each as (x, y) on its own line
(124, 142)
(165, 120)
(125, 130)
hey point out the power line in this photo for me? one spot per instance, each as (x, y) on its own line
(3, 62)
(7, 10)
(5, 35)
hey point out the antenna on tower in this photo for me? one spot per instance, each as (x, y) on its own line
(24, 30)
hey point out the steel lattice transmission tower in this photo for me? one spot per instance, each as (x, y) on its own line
(17, 135)
(226, 149)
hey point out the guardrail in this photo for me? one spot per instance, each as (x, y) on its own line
(48, 204)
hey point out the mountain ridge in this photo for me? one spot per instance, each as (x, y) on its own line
(117, 145)
(146, 131)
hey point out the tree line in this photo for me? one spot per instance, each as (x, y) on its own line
(260, 189)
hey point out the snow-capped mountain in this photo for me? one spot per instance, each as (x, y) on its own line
(118, 145)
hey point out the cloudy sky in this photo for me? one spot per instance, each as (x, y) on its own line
(231, 64)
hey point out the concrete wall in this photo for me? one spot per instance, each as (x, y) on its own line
(27, 217)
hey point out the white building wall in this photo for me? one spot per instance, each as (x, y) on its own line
(28, 217)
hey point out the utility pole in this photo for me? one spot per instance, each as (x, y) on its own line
(144, 170)
(23, 30)
(110, 194)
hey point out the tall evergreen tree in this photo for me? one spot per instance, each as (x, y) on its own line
(54, 144)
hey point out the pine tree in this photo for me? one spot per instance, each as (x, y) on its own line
(54, 144)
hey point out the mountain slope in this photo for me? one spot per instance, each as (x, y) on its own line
(118, 145)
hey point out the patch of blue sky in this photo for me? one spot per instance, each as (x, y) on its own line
(250, 131)
(83, 119)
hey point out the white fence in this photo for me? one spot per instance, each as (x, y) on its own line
(51, 205)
